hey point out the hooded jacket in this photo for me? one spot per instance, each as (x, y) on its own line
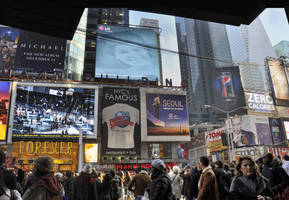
(44, 187)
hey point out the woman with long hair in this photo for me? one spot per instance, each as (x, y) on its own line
(249, 184)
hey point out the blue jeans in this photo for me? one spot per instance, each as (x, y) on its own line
(138, 198)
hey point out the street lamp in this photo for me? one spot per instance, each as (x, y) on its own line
(229, 139)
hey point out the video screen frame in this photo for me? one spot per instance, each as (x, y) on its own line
(64, 135)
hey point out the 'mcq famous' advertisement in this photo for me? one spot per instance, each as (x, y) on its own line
(54, 111)
(165, 115)
(120, 121)
(279, 81)
(4, 105)
(124, 51)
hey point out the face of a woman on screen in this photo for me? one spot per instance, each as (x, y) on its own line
(132, 55)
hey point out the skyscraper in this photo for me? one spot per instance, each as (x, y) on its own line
(282, 49)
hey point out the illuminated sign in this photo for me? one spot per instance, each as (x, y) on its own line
(90, 152)
(260, 102)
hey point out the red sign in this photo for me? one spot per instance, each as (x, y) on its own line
(279, 151)
(135, 166)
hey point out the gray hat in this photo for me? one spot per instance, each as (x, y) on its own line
(44, 164)
(87, 169)
(159, 164)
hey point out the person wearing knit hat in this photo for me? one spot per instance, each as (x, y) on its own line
(42, 184)
(44, 164)
(160, 187)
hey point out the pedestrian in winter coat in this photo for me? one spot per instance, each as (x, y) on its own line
(223, 180)
(285, 165)
(68, 185)
(177, 182)
(208, 188)
(105, 188)
(186, 176)
(43, 185)
(84, 186)
(195, 177)
(161, 184)
(140, 181)
(115, 189)
(278, 178)
(249, 184)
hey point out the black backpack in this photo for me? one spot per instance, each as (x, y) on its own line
(224, 181)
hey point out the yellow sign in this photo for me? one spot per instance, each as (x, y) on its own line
(3, 131)
(45, 147)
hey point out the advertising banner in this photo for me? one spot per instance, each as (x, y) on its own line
(4, 106)
(214, 140)
(276, 130)
(23, 50)
(279, 82)
(90, 153)
(123, 51)
(254, 152)
(286, 127)
(120, 121)
(260, 102)
(54, 111)
(279, 151)
(263, 130)
(164, 115)
(227, 88)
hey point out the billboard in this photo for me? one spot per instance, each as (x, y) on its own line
(260, 102)
(4, 106)
(120, 121)
(123, 52)
(90, 153)
(214, 140)
(164, 115)
(279, 82)
(227, 88)
(250, 130)
(54, 111)
(286, 127)
(22, 50)
(276, 130)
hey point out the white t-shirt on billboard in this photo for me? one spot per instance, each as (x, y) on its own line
(121, 120)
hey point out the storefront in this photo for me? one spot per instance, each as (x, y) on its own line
(65, 154)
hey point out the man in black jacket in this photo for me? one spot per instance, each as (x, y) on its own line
(195, 177)
(68, 185)
(161, 186)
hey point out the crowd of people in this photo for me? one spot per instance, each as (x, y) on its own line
(264, 179)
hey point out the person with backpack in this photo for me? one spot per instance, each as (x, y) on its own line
(68, 185)
(161, 186)
(223, 181)
(195, 177)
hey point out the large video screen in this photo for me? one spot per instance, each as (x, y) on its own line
(123, 52)
(50, 111)
(4, 105)
(23, 50)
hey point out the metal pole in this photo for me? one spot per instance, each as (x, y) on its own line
(228, 136)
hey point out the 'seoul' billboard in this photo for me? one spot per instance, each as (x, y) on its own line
(227, 88)
(4, 105)
(120, 121)
(23, 50)
(164, 115)
(123, 52)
